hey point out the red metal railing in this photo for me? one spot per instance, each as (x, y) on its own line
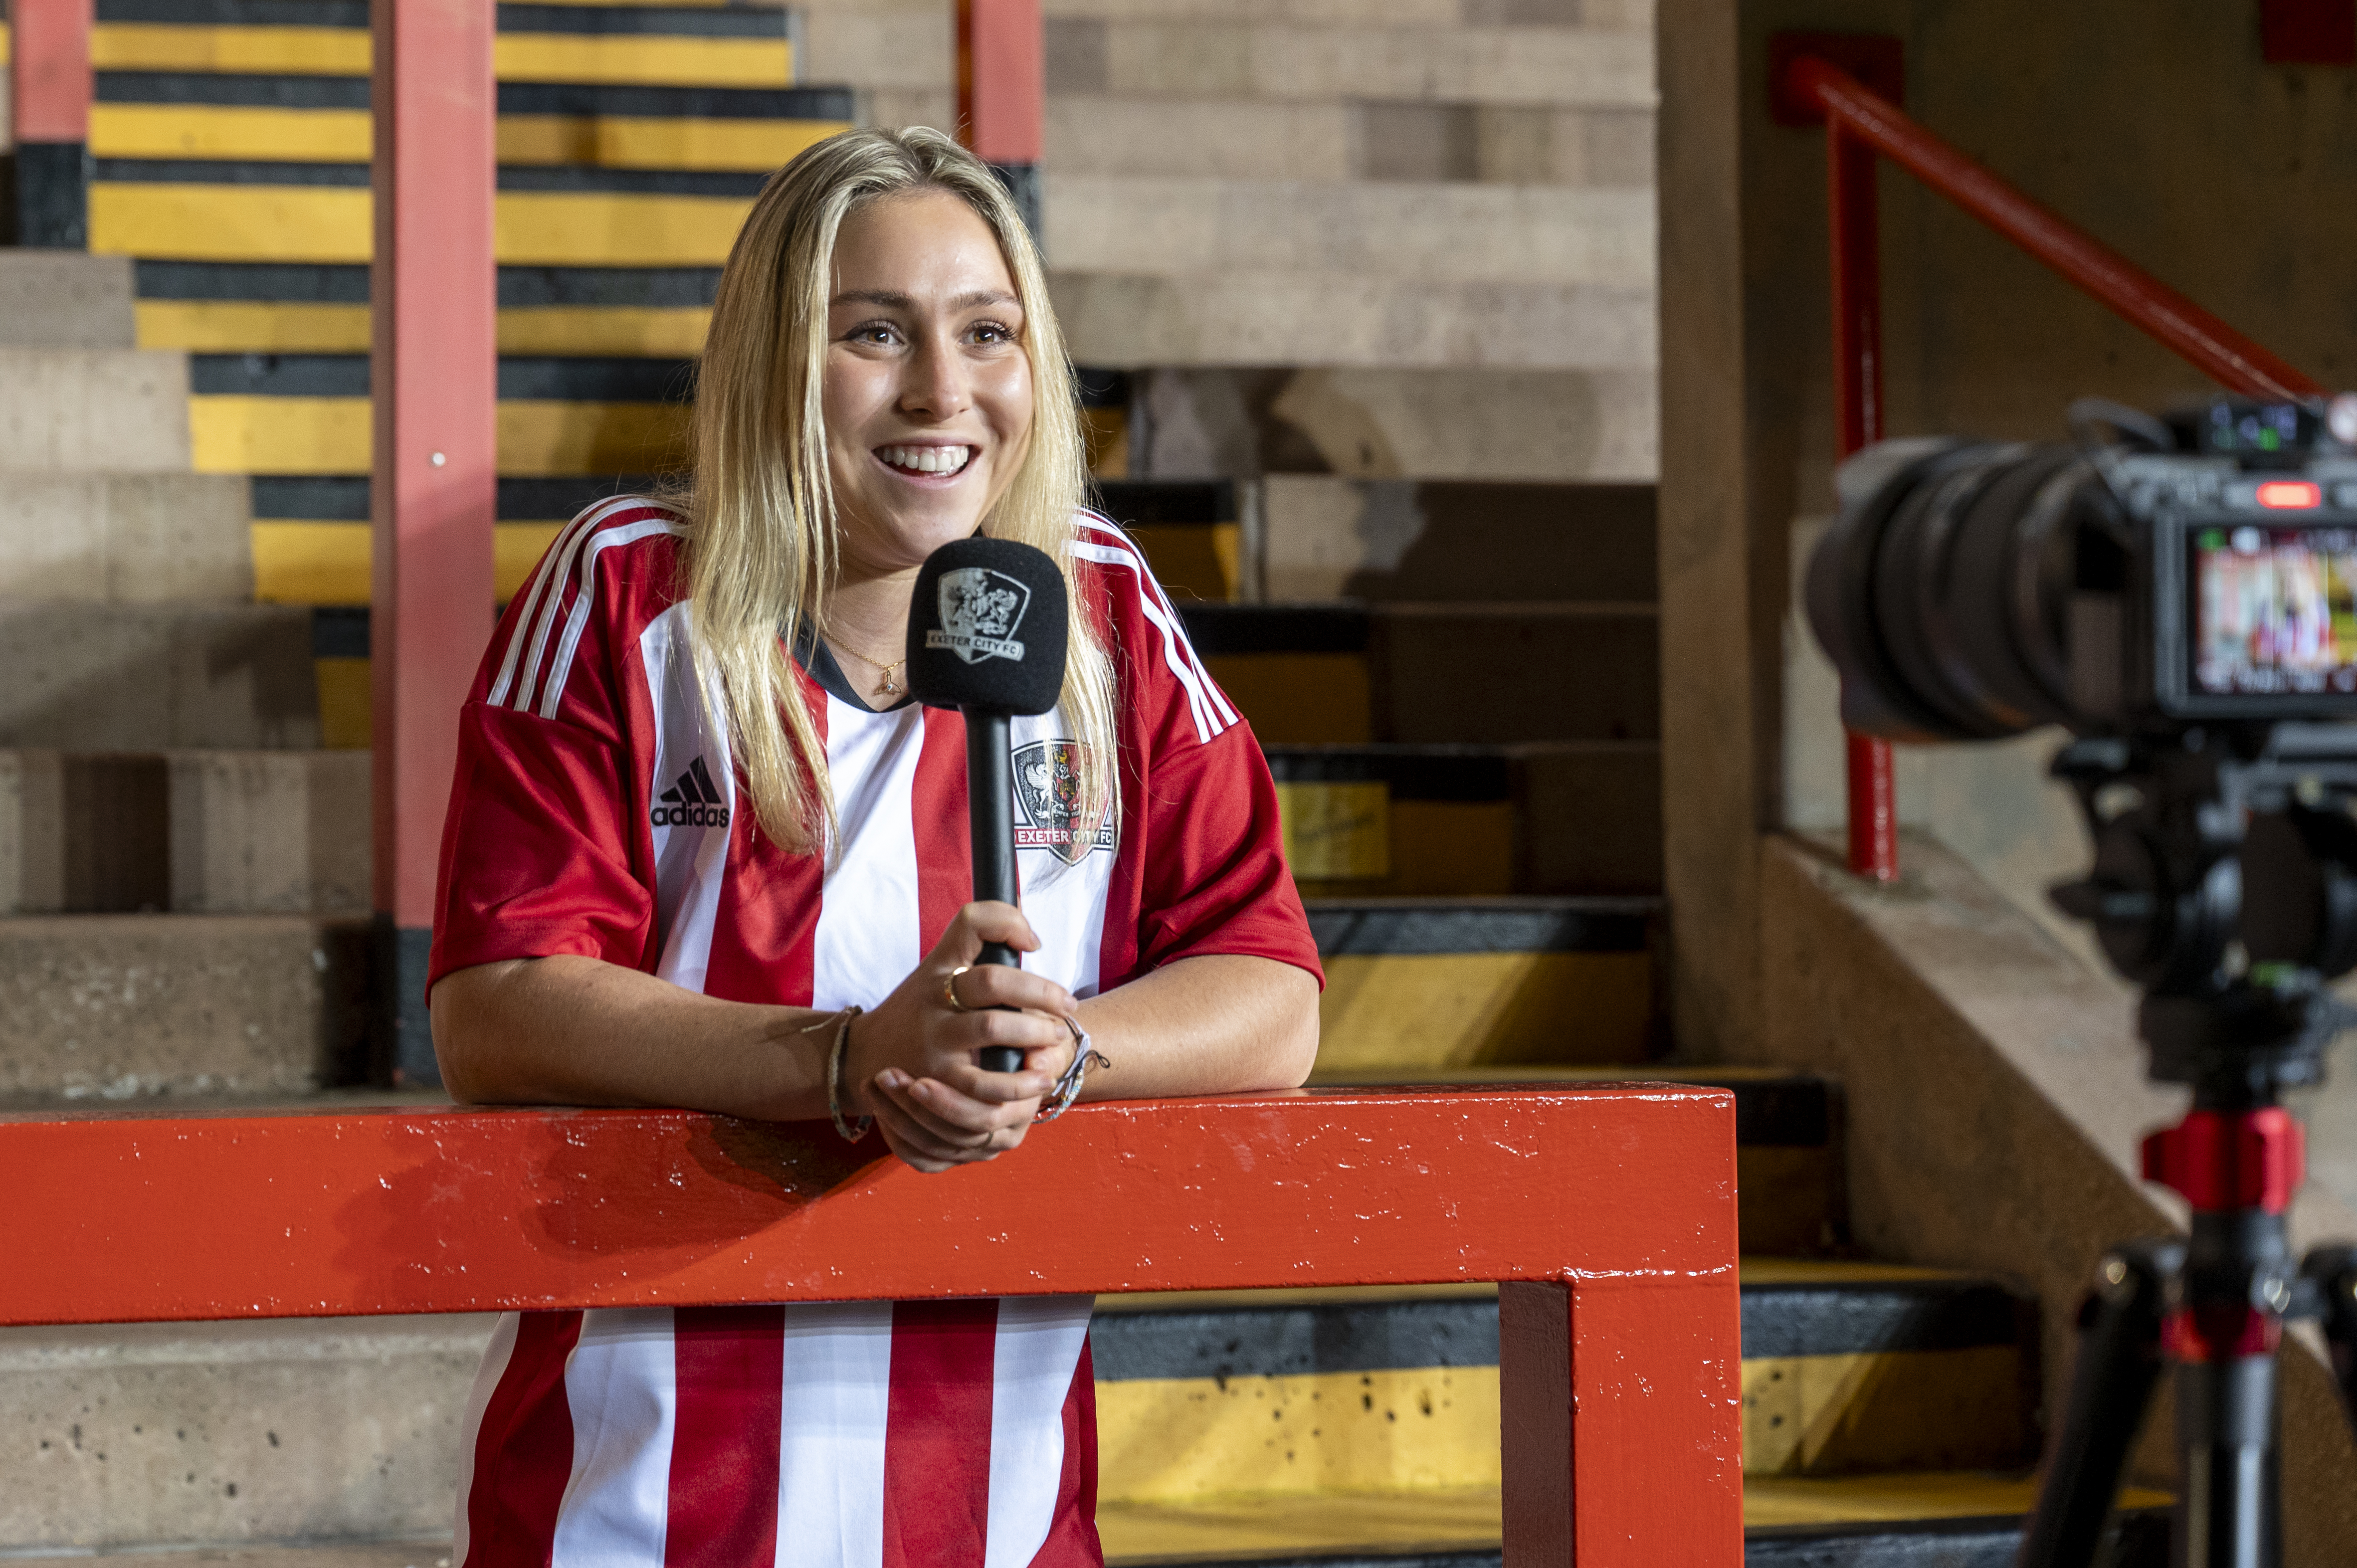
(1608, 1213)
(1861, 123)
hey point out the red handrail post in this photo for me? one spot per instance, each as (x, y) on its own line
(1854, 218)
(434, 379)
(49, 92)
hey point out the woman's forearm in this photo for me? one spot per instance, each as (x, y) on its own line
(577, 1031)
(1222, 1022)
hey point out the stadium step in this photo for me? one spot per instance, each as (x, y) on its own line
(1436, 673)
(1423, 821)
(135, 1007)
(185, 832)
(93, 411)
(103, 677)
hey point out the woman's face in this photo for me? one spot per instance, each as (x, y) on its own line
(928, 390)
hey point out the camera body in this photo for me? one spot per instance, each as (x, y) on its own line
(2203, 572)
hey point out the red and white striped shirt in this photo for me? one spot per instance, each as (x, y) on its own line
(596, 812)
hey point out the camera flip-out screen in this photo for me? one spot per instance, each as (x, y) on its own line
(2275, 608)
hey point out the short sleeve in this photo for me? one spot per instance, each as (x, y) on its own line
(539, 856)
(1215, 878)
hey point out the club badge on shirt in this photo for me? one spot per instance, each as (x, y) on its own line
(1048, 788)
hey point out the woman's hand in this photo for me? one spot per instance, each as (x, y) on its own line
(913, 1062)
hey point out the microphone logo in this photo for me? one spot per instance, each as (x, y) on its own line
(980, 612)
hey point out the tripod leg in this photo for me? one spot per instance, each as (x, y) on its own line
(2333, 1272)
(2111, 1382)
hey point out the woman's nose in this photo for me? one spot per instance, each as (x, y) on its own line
(937, 384)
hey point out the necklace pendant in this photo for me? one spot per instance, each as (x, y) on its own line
(890, 687)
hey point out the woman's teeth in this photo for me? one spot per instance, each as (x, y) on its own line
(926, 459)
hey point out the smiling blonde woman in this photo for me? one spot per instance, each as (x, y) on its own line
(702, 851)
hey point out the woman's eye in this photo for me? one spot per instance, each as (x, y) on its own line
(874, 332)
(991, 332)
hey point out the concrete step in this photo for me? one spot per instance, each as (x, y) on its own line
(103, 677)
(1427, 986)
(1190, 419)
(125, 538)
(1448, 820)
(1236, 139)
(1452, 541)
(150, 1433)
(120, 1007)
(1436, 673)
(1252, 57)
(63, 299)
(1518, 235)
(186, 832)
(1297, 316)
(93, 411)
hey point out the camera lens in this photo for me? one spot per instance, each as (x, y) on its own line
(1942, 591)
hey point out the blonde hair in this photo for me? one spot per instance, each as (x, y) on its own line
(761, 517)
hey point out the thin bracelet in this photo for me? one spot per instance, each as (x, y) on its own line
(1067, 1088)
(834, 1081)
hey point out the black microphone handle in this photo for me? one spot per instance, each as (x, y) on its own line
(990, 800)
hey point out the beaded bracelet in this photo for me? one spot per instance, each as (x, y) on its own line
(834, 1081)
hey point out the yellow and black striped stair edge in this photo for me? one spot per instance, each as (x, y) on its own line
(687, 44)
(1846, 1367)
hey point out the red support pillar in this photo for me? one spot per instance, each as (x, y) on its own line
(1003, 93)
(49, 87)
(1858, 422)
(433, 377)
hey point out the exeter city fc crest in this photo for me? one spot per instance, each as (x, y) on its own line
(1048, 787)
(980, 610)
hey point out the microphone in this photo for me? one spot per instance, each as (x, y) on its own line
(986, 634)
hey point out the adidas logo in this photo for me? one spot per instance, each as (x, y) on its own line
(693, 802)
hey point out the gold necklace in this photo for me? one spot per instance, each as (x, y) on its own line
(889, 688)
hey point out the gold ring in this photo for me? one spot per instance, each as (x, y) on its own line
(949, 990)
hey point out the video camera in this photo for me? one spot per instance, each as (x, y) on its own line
(2197, 569)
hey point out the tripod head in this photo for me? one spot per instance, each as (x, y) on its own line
(2225, 886)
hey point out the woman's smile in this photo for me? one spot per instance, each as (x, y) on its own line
(929, 464)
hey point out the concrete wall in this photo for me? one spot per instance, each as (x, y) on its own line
(2160, 131)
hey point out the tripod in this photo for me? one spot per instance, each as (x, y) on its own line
(2225, 884)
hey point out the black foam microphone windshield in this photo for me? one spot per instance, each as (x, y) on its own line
(986, 634)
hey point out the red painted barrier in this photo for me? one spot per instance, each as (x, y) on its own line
(1608, 1211)
(1808, 88)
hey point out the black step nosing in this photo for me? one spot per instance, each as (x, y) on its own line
(1273, 1341)
(351, 14)
(228, 172)
(1863, 1316)
(520, 287)
(764, 23)
(1346, 931)
(1858, 1318)
(244, 90)
(563, 99)
(561, 179)
(632, 101)
(1235, 630)
(1445, 773)
(1161, 502)
(307, 497)
(560, 378)
(2139, 1539)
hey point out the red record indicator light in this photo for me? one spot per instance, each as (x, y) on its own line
(2290, 495)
